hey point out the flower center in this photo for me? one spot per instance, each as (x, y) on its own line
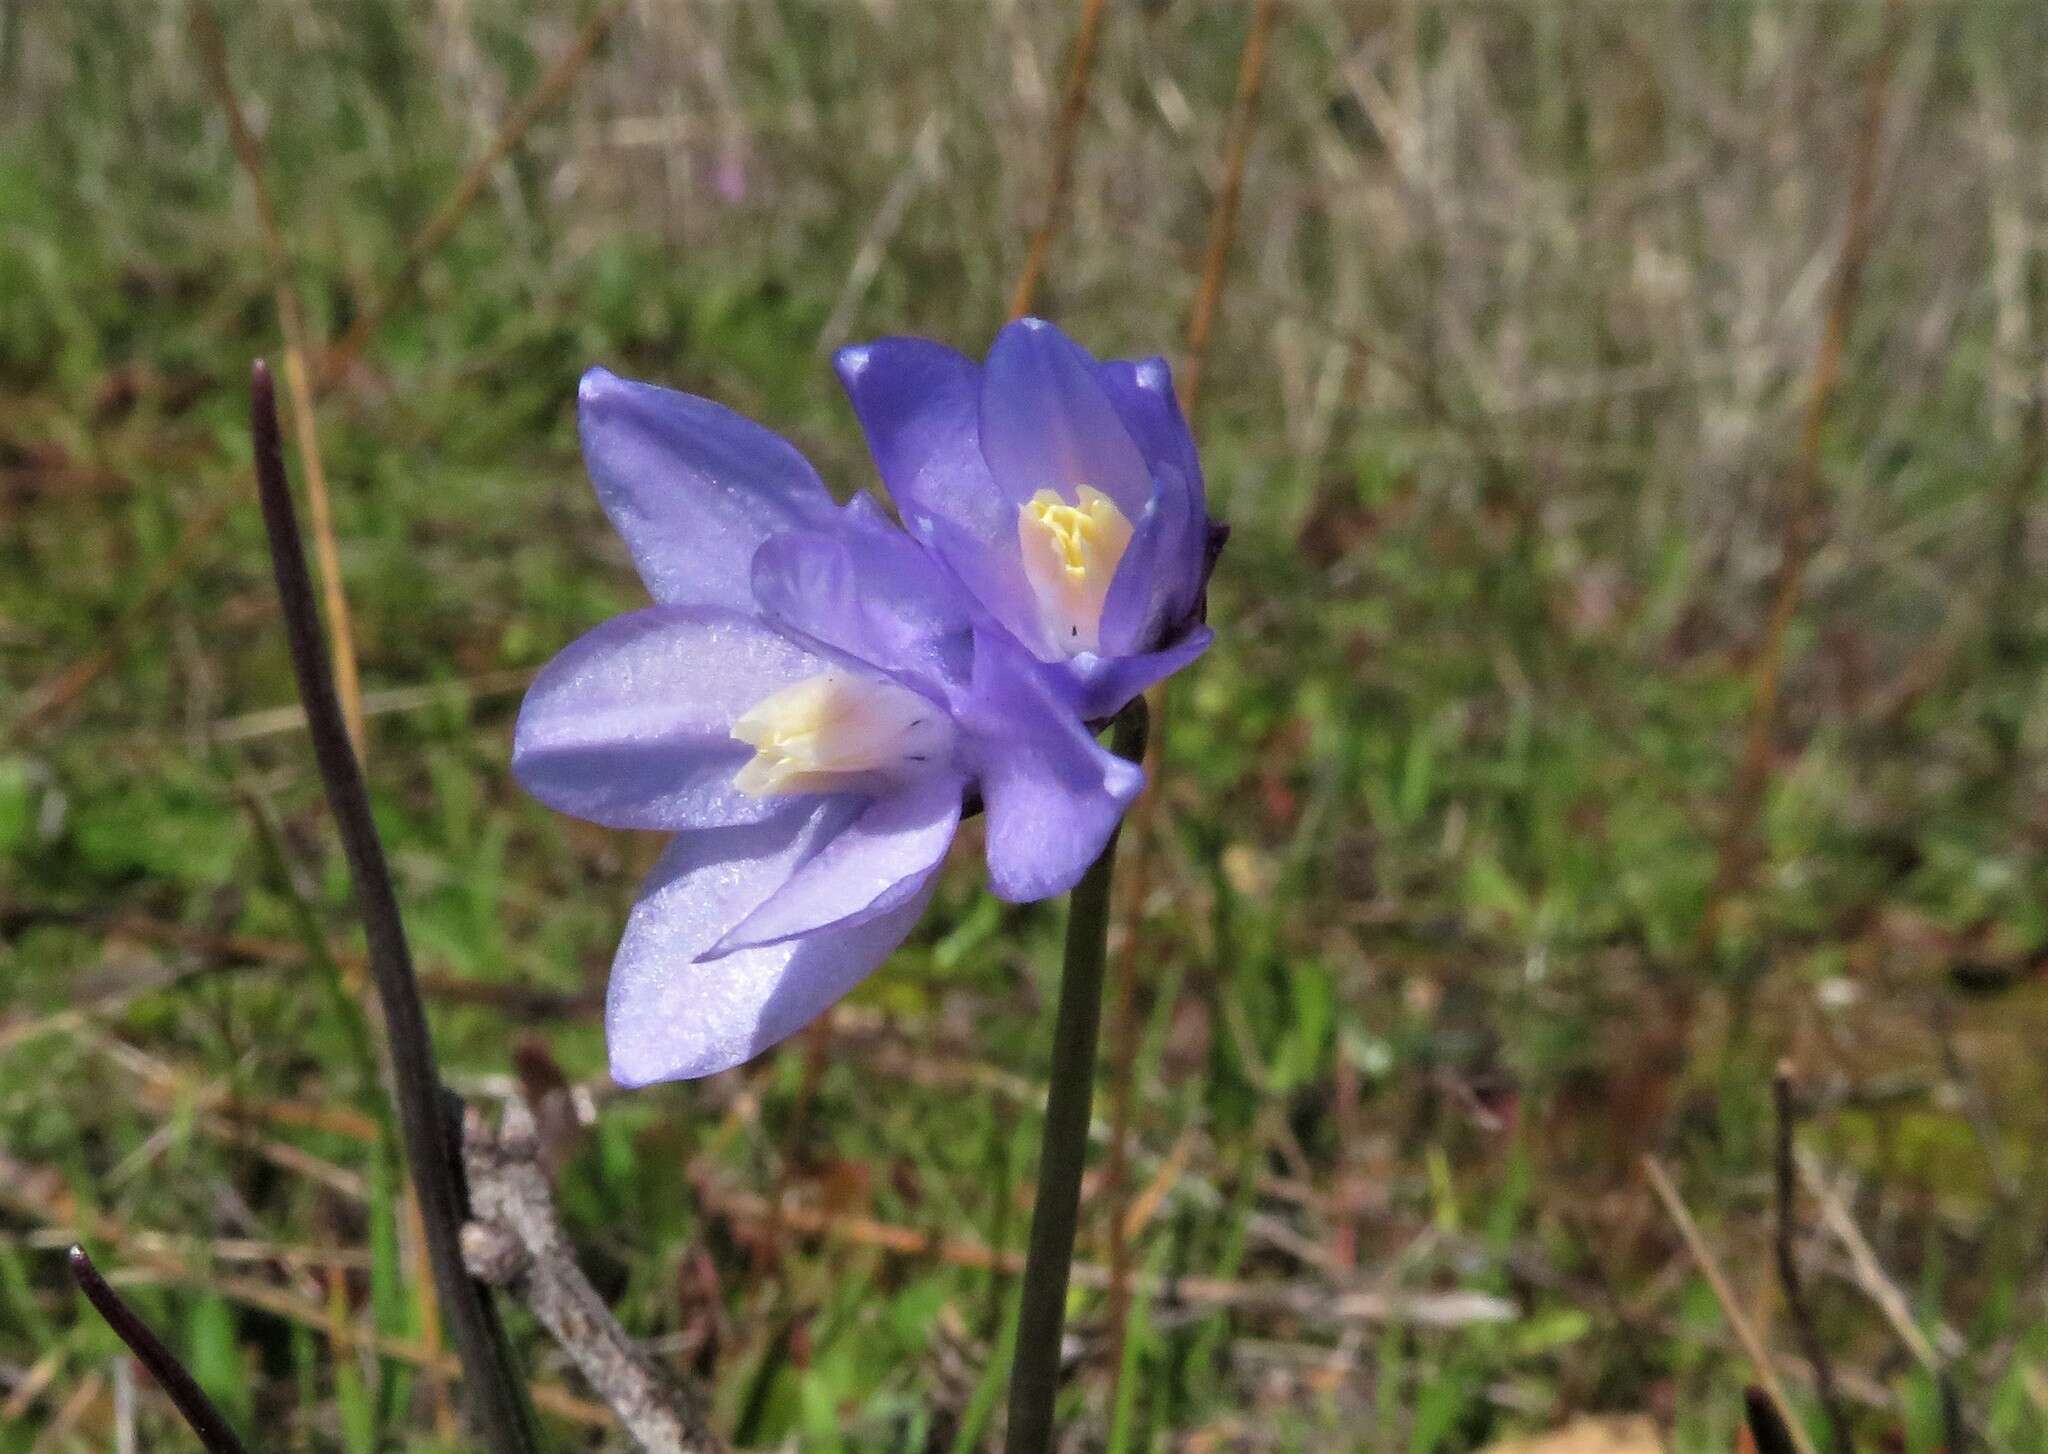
(827, 732)
(1070, 557)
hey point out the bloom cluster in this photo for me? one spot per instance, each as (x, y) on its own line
(816, 690)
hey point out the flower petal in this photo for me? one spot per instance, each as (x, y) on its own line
(865, 588)
(1053, 793)
(994, 573)
(692, 487)
(1102, 685)
(1046, 423)
(1142, 392)
(669, 1016)
(631, 725)
(919, 403)
(1155, 581)
(879, 862)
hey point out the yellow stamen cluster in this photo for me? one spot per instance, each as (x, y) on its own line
(826, 732)
(1071, 552)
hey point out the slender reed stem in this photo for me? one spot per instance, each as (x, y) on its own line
(1066, 136)
(199, 1412)
(291, 323)
(1735, 854)
(1042, 1308)
(499, 1411)
(1244, 110)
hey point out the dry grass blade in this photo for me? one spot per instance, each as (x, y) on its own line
(441, 226)
(277, 721)
(1312, 1301)
(1251, 72)
(1724, 1294)
(1810, 1341)
(350, 1338)
(1123, 1027)
(292, 324)
(64, 686)
(1734, 856)
(1878, 1286)
(923, 166)
(40, 1375)
(70, 1414)
(340, 630)
(1066, 138)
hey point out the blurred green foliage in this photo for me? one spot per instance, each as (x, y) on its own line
(1521, 317)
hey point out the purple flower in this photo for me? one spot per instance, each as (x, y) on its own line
(1065, 492)
(805, 707)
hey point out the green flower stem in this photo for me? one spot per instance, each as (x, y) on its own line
(1042, 1307)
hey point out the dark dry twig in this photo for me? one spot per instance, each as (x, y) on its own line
(1065, 137)
(1810, 1342)
(206, 1421)
(516, 1242)
(492, 1387)
(1766, 1428)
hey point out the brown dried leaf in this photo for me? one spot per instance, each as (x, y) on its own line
(1604, 1434)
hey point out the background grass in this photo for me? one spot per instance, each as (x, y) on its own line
(1502, 407)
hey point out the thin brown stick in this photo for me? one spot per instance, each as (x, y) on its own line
(1123, 1031)
(1066, 137)
(1724, 1294)
(1735, 855)
(441, 226)
(1810, 1342)
(341, 645)
(1251, 73)
(291, 322)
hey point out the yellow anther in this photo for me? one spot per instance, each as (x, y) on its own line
(824, 733)
(1071, 552)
